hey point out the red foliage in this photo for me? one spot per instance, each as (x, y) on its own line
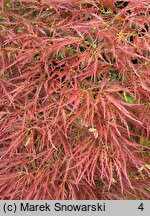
(74, 99)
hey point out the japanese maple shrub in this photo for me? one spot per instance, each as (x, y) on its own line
(74, 99)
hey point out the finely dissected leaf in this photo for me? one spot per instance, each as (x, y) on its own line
(94, 131)
(129, 99)
(74, 99)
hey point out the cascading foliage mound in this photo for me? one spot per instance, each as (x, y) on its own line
(74, 99)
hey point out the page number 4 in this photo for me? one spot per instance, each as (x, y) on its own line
(141, 207)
